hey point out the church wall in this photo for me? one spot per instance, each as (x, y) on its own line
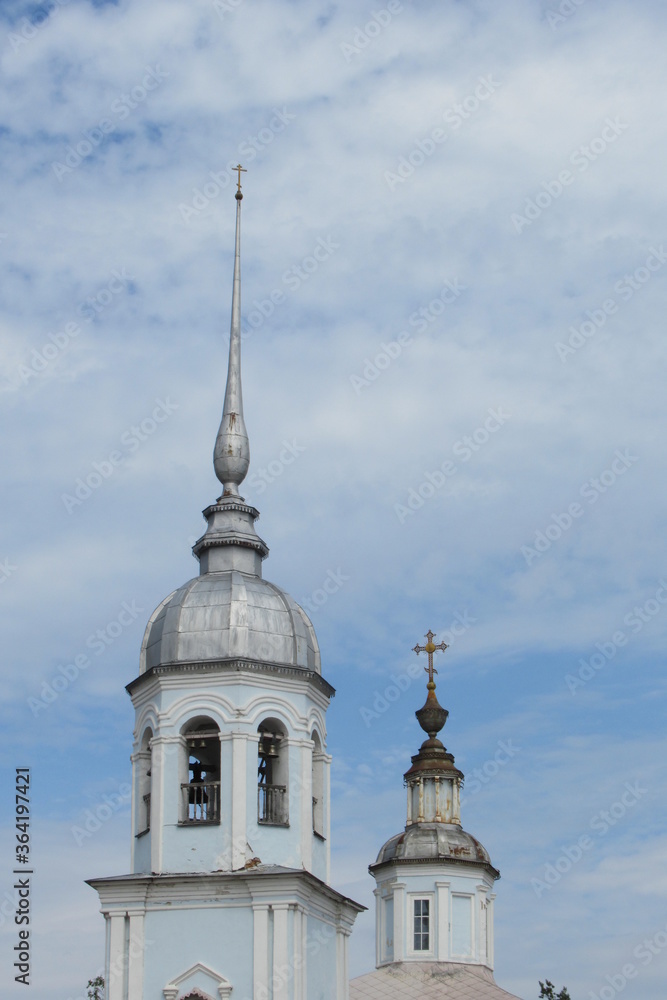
(322, 959)
(460, 910)
(217, 937)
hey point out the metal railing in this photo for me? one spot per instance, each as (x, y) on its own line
(201, 802)
(272, 805)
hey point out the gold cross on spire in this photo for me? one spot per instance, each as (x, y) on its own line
(430, 648)
(240, 170)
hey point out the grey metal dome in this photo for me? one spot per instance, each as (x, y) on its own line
(230, 615)
(434, 842)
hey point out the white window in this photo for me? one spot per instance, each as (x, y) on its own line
(318, 786)
(388, 929)
(421, 927)
(143, 766)
(462, 926)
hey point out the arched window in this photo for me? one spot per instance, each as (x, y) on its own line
(200, 794)
(144, 783)
(318, 785)
(272, 774)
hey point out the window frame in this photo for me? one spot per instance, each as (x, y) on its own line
(422, 897)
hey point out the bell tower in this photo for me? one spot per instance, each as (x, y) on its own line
(229, 890)
(434, 881)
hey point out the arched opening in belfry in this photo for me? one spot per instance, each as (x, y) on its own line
(318, 785)
(200, 794)
(272, 774)
(144, 782)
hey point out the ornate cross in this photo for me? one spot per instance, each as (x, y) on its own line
(430, 648)
(240, 170)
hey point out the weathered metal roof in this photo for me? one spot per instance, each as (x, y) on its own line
(428, 981)
(220, 616)
(434, 842)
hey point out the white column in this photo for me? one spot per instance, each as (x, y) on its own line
(342, 990)
(304, 955)
(167, 755)
(327, 812)
(239, 830)
(299, 956)
(282, 971)
(116, 971)
(135, 978)
(306, 811)
(442, 910)
(260, 950)
(160, 750)
(409, 805)
(490, 934)
(136, 792)
(379, 925)
(480, 923)
(399, 922)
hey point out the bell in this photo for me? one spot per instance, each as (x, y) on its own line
(267, 747)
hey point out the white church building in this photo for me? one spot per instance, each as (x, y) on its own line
(229, 893)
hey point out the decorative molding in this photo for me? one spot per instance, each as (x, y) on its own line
(233, 666)
(172, 991)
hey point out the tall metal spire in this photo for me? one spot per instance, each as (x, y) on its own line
(231, 456)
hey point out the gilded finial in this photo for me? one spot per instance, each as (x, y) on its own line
(430, 649)
(432, 716)
(240, 170)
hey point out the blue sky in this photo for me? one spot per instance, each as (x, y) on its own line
(453, 288)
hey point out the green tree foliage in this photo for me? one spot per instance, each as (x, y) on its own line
(96, 988)
(548, 992)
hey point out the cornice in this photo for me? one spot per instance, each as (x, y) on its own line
(230, 667)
